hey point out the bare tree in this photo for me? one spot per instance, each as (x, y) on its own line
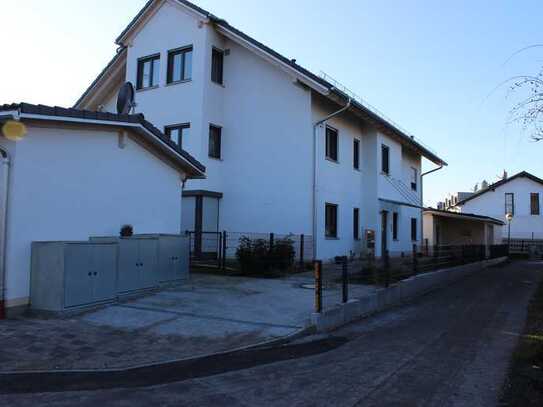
(529, 110)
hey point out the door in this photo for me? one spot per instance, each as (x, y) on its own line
(129, 273)
(77, 275)
(103, 268)
(384, 232)
(149, 270)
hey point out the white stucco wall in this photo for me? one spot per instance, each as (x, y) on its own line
(72, 183)
(492, 204)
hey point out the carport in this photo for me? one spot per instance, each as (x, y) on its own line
(446, 228)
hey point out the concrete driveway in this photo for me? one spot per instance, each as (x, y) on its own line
(207, 315)
(449, 348)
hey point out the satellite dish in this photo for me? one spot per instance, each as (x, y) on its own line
(14, 130)
(125, 98)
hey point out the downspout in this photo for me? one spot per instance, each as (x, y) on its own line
(314, 195)
(4, 157)
(422, 201)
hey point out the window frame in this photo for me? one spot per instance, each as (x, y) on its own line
(535, 210)
(331, 130)
(209, 152)
(220, 80)
(512, 195)
(356, 223)
(139, 71)
(356, 154)
(179, 126)
(415, 175)
(395, 224)
(414, 229)
(333, 235)
(169, 69)
(385, 148)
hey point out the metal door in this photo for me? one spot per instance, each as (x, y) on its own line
(77, 275)
(104, 266)
(148, 253)
(130, 270)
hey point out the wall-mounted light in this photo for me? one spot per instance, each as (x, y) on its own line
(14, 130)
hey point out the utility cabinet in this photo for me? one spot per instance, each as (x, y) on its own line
(173, 255)
(72, 274)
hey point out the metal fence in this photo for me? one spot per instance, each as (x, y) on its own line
(354, 278)
(251, 253)
(525, 246)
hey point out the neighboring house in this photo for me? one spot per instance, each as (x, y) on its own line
(452, 200)
(255, 119)
(78, 174)
(519, 195)
(445, 228)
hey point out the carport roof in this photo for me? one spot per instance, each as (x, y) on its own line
(460, 215)
(191, 165)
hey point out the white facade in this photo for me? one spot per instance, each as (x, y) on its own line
(72, 181)
(492, 202)
(267, 112)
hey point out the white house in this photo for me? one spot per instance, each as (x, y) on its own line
(78, 174)
(285, 150)
(519, 195)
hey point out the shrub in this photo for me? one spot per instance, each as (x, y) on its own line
(256, 257)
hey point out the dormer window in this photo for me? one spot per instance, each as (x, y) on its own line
(148, 72)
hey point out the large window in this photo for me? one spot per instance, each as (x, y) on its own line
(179, 64)
(177, 132)
(217, 66)
(148, 72)
(414, 229)
(414, 177)
(356, 223)
(330, 220)
(385, 158)
(534, 203)
(395, 225)
(509, 203)
(215, 134)
(356, 153)
(331, 143)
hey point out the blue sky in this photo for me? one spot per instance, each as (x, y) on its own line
(431, 66)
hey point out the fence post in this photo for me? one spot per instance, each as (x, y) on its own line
(223, 262)
(271, 241)
(345, 284)
(301, 251)
(415, 259)
(317, 265)
(387, 268)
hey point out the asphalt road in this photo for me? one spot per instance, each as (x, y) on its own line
(449, 348)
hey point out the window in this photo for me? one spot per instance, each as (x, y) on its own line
(331, 220)
(356, 153)
(179, 65)
(534, 203)
(356, 223)
(331, 143)
(414, 176)
(215, 141)
(217, 66)
(385, 152)
(177, 133)
(413, 229)
(509, 203)
(395, 225)
(148, 71)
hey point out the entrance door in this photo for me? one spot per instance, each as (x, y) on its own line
(384, 232)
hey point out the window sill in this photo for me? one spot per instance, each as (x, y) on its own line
(215, 158)
(331, 238)
(357, 169)
(179, 82)
(386, 174)
(332, 160)
(144, 89)
(218, 84)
